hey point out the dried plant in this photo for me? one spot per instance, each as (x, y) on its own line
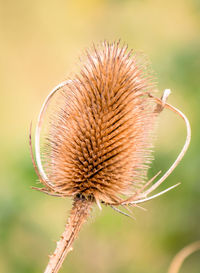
(182, 255)
(100, 138)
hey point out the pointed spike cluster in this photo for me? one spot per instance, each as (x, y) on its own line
(100, 141)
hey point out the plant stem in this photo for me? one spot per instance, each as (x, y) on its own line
(182, 255)
(79, 214)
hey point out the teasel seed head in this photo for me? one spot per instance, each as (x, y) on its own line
(100, 139)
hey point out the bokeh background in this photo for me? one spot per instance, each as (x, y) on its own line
(40, 42)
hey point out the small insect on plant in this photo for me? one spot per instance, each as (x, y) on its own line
(100, 139)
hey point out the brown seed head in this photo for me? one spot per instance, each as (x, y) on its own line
(99, 142)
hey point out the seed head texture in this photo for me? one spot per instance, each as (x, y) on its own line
(100, 139)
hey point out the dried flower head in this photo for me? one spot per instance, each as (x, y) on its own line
(100, 137)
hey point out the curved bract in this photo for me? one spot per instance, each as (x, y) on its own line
(38, 130)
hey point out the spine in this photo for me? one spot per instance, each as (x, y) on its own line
(79, 214)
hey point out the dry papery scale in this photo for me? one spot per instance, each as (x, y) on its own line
(100, 138)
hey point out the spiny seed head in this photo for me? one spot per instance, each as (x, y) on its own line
(100, 139)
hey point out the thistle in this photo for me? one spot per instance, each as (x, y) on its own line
(100, 138)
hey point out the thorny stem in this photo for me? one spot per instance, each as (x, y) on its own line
(79, 214)
(182, 255)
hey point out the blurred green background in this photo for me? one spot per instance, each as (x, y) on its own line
(40, 42)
